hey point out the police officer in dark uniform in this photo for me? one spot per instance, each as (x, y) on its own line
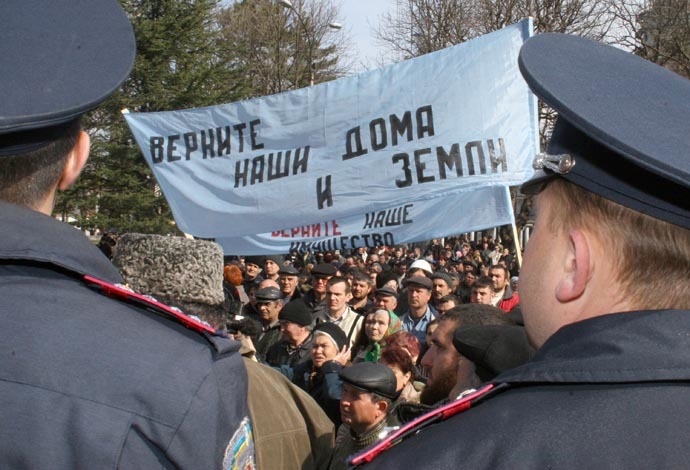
(604, 285)
(91, 375)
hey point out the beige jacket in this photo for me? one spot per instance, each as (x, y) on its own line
(291, 431)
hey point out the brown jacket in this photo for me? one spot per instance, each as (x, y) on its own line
(291, 431)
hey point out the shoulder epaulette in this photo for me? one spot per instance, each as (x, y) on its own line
(411, 428)
(126, 295)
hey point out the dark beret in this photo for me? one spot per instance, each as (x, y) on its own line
(372, 377)
(334, 332)
(622, 131)
(493, 348)
(324, 269)
(288, 269)
(257, 260)
(421, 281)
(296, 312)
(386, 292)
(60, 59)
(267, 294)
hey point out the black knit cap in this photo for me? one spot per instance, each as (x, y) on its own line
(257, 260)
(60, 59)
(296, 312)
(336, 334)
(372, 377)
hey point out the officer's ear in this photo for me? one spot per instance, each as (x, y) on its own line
(577, 269)
(75, 161)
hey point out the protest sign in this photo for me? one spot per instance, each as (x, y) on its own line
(448, 121)
(458, 212)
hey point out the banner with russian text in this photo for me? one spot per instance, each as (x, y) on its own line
(457, 212)
(448, 121)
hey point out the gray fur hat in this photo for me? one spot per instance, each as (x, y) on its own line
(172, 269)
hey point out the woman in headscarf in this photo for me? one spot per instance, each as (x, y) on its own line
(378, 325)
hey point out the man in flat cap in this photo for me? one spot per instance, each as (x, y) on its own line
(442, 361)
(89, 379)
(252, 271)
(272, 264)
(315, 298)
(386, 298)
(289, 283)
(419, 314)
(269, 305)
(610, 383)
(442, 286)
(369, 390)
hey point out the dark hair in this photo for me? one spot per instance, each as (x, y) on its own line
(338, 279)
(476, 315)
(25, 179)
(361, 276)
(384, 277)
(483, 281)
(449, 298)
(501, 267)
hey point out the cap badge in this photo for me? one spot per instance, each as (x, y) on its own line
(561, 164)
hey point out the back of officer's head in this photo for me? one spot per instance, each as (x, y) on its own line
(27, 178)
(58, 60)
(650, 256)
(617, 162)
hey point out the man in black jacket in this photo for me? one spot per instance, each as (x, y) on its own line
(610, 383)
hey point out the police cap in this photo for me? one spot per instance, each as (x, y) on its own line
(60, 59)
(623, 130)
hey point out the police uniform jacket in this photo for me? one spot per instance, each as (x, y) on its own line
(608, 392)
(88, 381)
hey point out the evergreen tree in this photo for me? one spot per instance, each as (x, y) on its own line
(177, 66)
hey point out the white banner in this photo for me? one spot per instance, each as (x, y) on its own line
(458, 212)
(455, 119)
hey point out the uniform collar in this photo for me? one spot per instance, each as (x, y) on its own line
(642, 346)
(29, 235)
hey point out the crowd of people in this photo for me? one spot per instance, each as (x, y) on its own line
(173, 356)
(375, 337)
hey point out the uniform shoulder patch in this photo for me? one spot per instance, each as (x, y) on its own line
(411, 428)
(239, 454)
